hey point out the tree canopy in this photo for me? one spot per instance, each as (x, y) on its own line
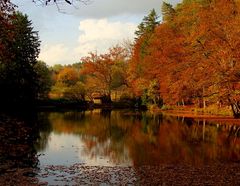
(18, 79)
(193, 54)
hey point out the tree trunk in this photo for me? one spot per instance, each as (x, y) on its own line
(183, 104)
(204, 103)
(106, 99)
(235, 105)
(203, 98)
(204, 129)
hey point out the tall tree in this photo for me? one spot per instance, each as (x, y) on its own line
(195, 55)
(44, 80)
(218, 39)
(18, 79)
(144, 33)
(168, 12)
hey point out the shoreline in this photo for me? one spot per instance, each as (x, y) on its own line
(200, 116)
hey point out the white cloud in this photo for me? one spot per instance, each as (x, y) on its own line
(53, 54)
(94, 35)
(99, 35)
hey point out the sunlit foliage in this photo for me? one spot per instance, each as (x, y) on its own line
(106, 71)
(193, 54)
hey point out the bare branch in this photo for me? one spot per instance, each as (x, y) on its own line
(60, 3)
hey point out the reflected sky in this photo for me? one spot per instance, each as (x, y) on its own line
(126, 138)
(67, 149)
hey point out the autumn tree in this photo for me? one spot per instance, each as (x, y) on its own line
(192, 54)
(210, 41)
(68, 76)
(106, 71)
(136, 69)
(68, 83)
(170, 51)
(180, 24)
(218, 40)
(163, 62)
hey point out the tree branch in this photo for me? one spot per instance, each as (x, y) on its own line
(60, 3)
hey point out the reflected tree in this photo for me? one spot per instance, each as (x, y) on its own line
(146, 139)
(45, 129)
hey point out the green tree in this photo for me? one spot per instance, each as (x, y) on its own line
(150, 21)
(148, 24)
(44, 79)
(144, 33)
(18, 79)
(75, 92)
(168, 12)
(136, 68)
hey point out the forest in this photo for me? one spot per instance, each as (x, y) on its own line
(188, 57)
(160, 109)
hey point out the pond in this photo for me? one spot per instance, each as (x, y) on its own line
(122, 147)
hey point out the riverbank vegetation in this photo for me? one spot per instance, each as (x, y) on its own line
(187, 59)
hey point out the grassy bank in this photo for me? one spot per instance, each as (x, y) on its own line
(211, 110)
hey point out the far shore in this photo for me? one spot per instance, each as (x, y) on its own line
(200, 116)
(180, 111)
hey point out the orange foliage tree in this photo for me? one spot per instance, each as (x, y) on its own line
(193, 54)
(68, 76)
(218, 40)
(101, 70)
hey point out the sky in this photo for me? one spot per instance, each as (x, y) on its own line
(74, 31)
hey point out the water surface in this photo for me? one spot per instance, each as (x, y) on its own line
(118, 147)
(126, 138)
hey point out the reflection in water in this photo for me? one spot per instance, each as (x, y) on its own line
(134, 138)
(109, 138)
